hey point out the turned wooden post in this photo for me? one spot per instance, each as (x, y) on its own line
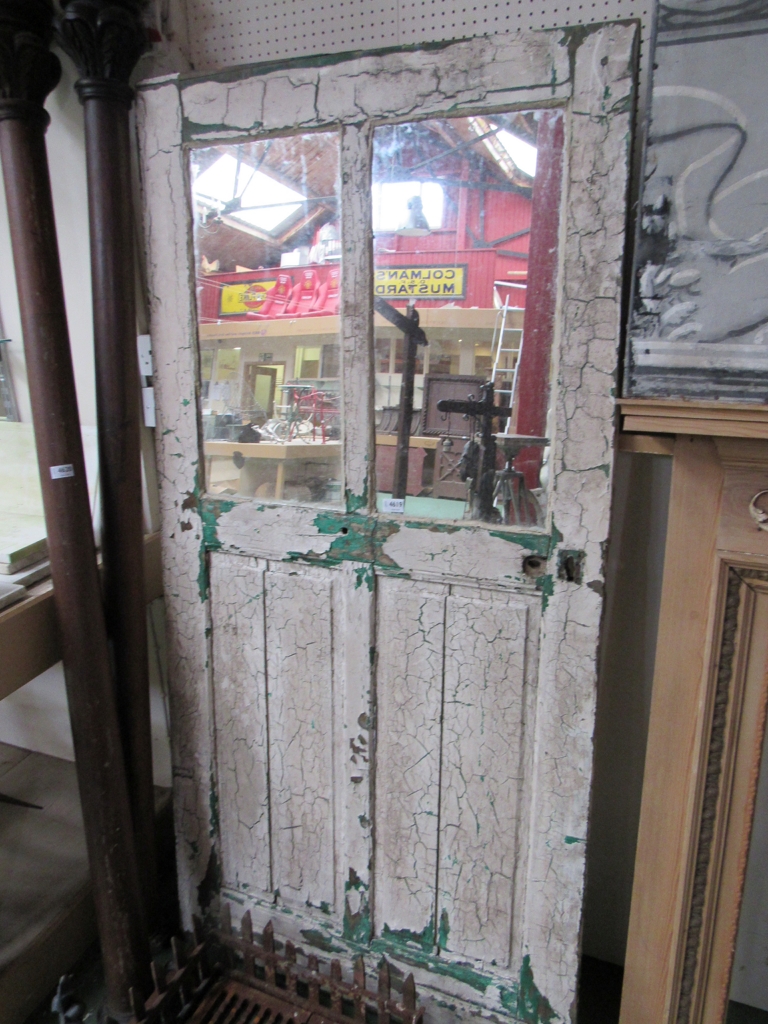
(28, 72)
(105, 38)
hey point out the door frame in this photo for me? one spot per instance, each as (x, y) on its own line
(251, 366)
(589, 74)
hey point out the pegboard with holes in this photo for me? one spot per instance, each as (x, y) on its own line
(225, 33)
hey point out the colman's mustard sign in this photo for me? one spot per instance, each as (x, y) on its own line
(244, 298)
(421, 282)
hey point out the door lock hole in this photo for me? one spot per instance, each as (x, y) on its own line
(534, 566)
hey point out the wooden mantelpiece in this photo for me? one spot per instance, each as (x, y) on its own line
(711, 419)
(707, 712)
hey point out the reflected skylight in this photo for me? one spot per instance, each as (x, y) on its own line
(390, 203)
(523, 153)
(242, 193)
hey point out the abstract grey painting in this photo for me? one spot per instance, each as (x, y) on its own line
(699, 308)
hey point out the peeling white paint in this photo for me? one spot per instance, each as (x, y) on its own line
(468, 736)
(482, 773)
(302, 727)
(596, 176)
(240, 705)
(410, 638)
(275, 530)
(496, 71)
(174, 332)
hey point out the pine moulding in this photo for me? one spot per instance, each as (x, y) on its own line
(712, 419)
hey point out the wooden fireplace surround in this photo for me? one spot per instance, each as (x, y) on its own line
(708, 710)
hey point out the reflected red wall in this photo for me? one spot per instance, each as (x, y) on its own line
(533, 382)
(475, 236)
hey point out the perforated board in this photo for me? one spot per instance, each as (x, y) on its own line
(224, 33)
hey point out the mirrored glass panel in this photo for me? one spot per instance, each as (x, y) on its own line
(266, 216)
(461, 419)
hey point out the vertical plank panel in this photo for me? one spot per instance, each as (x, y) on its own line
(299, 674)
(481, 774)
(240, 709)
(409, 642)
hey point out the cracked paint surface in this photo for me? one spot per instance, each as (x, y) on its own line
(301, 721)
(482, 772)
(476, 73)
(237, 604)
(174, 329)
(344, 663)
(410, 640)
(596, 175)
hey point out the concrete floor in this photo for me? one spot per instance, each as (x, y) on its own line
(46, 914)
(43, 860)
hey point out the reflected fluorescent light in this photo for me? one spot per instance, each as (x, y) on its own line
(522, 153)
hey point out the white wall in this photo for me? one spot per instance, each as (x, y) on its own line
(66, 157)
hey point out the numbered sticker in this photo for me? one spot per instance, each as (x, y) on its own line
(61, 472)
(394, 505)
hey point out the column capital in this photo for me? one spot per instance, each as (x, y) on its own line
(105, 39)
(28, 69)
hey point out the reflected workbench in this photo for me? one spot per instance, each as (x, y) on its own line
(279, 452)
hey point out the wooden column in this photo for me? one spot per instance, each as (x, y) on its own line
(105, 38)
(28, 71)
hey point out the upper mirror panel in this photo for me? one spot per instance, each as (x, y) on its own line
(268, 255)
(453, 207)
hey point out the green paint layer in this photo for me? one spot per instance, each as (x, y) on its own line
(546, 584)
(357, 926)
(320, 941)
(425, 939)
(531, 1006)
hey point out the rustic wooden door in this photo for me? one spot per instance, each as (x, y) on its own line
(382, 721)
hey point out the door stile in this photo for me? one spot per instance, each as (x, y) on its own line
(595, 175)
(173, 317)
(357, 365)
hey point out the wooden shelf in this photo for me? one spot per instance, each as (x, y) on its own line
(282, 450)
(646, 444)
(390, 440)
(444, 317)
(29, 630)
(712, 419)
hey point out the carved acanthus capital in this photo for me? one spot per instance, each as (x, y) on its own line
(28, 69)
(105, 39)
